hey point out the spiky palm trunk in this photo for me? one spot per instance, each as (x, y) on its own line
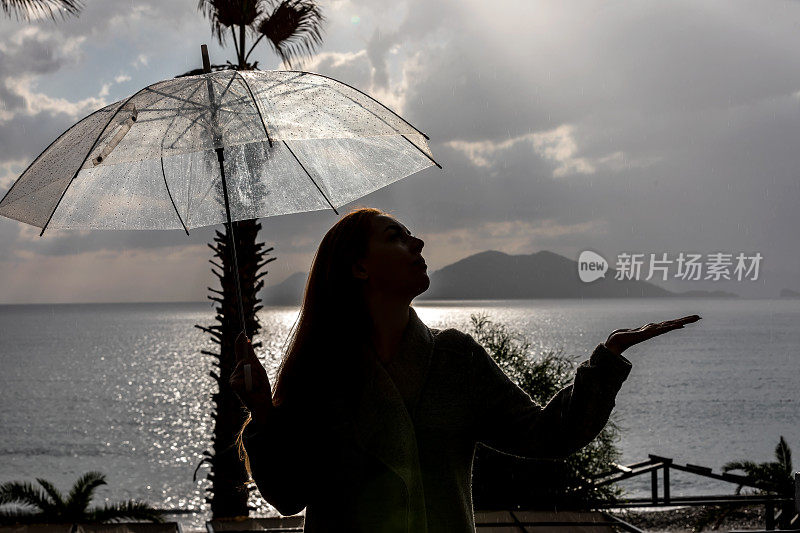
(228, 491)
(293, 28)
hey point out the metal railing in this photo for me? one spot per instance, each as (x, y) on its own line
(656, 463)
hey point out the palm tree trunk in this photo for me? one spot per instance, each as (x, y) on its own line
(229, 493)
(227, 473)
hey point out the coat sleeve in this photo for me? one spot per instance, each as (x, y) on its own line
(278, 451)
(508, 420)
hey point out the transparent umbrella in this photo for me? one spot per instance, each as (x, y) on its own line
(214, 148)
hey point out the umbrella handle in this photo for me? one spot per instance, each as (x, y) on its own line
(248, 378)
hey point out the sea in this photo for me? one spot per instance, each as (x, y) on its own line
(124, 388)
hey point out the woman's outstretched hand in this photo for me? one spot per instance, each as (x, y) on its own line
(249, 379)
(622, 339)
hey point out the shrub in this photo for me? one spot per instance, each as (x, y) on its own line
(502, 481)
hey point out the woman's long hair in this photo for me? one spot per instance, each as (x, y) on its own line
(328, 352)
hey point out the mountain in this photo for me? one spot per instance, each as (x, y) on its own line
(287, 292)
(494, 275)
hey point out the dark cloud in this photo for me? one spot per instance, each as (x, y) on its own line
(33, 50)
(421, 19)
(27, 53)
(25, 136)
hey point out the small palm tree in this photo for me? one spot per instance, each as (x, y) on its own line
(776, 477)
(25, 503)
(32, 9)
(773, 477)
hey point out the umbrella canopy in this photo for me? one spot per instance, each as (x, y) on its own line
(293, 142)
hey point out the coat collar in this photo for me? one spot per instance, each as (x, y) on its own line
(382, 423)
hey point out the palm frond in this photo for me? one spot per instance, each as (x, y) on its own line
(226, 13)
(732, 465)
(20, 516)
(34, 9)
(748, 467)
(82, 491)
(51, 506)
(294, 29)
(55, 495)
(130, 510)
(22, 493)
(784, 455)
(769, 476)
(774, 476)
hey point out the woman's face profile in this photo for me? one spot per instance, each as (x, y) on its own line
(393, 264)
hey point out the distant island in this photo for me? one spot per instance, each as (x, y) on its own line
(789, 293)
(494, 275)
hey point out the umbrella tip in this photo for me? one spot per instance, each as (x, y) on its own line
(206, 61)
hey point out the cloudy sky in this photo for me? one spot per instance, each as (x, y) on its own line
(612, 126)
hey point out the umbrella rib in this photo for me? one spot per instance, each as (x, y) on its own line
(302, 73)
(198, 106)
(202, 115)
(193, 122)
(311, 178)
(365, 94)
(175, 117)
(40, 156)
(421, 150)
(395, 129)
(189, 183)
(387, 123)
(205, 194)
(165, 109)
(94, 144)
(255, 103)
(164, 175)
(178, 98)
(309, 86)
(278, 83)
(224, 92)
(384, 120)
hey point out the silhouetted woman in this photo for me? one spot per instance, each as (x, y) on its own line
(374, 420)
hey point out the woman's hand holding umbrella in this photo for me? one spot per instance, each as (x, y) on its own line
(622, 339)
(250, 381)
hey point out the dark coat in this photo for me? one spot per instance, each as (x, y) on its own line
(399, 469)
